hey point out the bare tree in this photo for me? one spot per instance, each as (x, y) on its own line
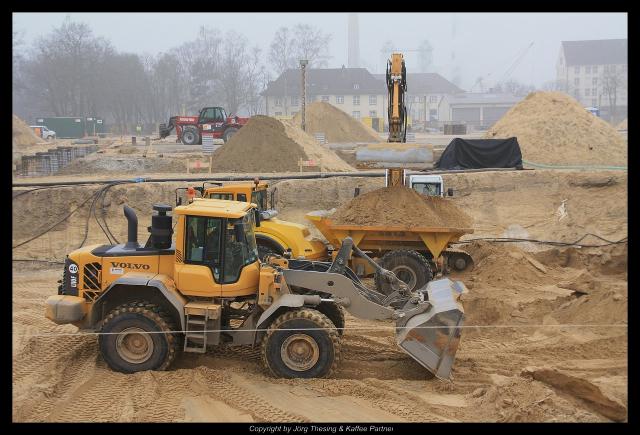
(311, 44)
(64, 67)
(614, 81)
(281, 51)
(514, 87)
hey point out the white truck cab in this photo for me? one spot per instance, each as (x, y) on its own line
(45, 133)
(430, 185)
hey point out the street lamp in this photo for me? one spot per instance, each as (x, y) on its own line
(303, 67)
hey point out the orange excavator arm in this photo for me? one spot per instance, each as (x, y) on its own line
(397, 88)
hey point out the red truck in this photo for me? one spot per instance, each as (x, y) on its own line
(214, 120)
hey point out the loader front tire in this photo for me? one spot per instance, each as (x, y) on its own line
(301, 343)
(410, 266)
(144, 340)
(190, 136)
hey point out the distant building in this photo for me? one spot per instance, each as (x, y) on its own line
(478, 110)
(594, 72)
(352, 90)
(425, 92)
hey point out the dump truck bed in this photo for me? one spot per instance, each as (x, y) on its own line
(386, 238)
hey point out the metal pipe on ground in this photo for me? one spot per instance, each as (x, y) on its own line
(307, 176)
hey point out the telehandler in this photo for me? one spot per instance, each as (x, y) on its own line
(208, 288)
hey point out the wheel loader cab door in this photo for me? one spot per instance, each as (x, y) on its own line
(201, 273)
(241, 270)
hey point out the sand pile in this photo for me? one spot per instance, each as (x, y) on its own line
(554, 128)
(623, 125)
(401, 206)
(336, 125)
(265, 144)
(23, 134)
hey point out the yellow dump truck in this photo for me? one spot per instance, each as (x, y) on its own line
(412, 254)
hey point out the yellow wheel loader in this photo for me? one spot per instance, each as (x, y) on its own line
(207, 287)
(274, 236)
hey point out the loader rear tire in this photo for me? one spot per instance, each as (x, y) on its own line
(301, 343)
(410, 266)
(137, 351)
(190, 136)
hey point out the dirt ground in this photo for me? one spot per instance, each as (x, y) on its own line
(546, 337)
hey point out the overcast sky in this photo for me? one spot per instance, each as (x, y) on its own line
(485, 44)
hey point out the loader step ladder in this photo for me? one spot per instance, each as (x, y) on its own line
(198, 315)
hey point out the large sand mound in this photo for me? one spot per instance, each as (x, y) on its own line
(22, 134)
(401, 206)
(265, 144)
(623, 125)
(554, 128)
(336, 125)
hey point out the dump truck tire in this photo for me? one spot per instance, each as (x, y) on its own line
(228, 133)
(410, 266)
(190, 136)
(137, 351)
(311, 352)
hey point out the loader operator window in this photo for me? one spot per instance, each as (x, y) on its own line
(238, 254)
(429, 189)
(203, 243)
(225, 196)
(208, 115)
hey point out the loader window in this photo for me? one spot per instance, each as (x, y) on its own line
(225, 196)
(238, 254)
(208, 115)
(203, 243)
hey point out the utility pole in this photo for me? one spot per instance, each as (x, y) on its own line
(303, 67)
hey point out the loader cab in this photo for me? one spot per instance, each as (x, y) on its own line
(255, 193)
(216, 251)
(212, 114)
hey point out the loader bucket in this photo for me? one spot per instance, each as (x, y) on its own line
(430, 331)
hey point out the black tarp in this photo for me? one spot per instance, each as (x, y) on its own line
(481, 153)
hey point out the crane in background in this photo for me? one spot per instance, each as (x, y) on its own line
(507, 74)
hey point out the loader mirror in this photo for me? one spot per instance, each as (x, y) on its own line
(239, 232)
(258, 217)
(179, 202)
(450, 192)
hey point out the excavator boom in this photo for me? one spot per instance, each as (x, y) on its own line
(397, 88)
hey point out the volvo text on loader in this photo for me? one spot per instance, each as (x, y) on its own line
(208, 288)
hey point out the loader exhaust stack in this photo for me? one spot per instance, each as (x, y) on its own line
(132, 228)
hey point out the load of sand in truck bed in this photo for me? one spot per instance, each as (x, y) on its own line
(266, 144)
(554, 128)
(402, 207)
(336, 125)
